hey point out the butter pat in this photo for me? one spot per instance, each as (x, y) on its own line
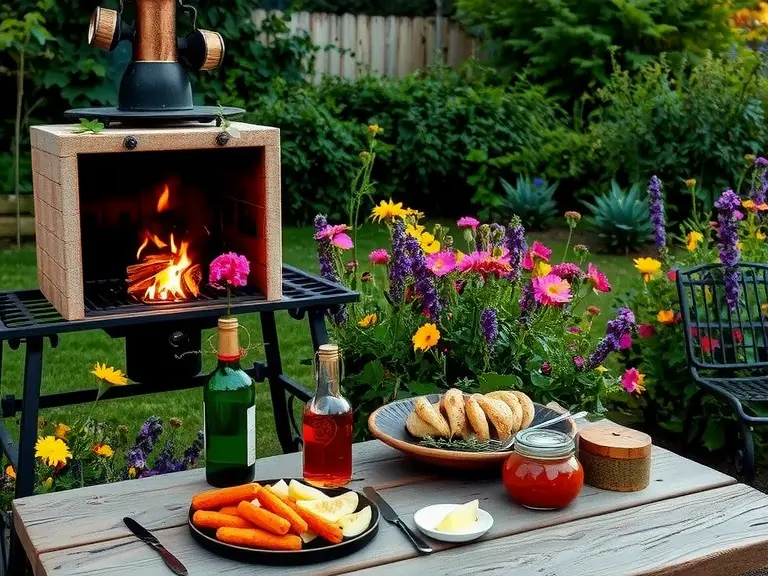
(460, 518)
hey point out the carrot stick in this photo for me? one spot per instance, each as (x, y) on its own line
(255, 538)
(215, 499)
(318, 525)
(231, 510)
(207, 519)
(263, 518)
(274, 504)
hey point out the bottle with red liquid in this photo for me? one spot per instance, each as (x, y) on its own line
(327, 429)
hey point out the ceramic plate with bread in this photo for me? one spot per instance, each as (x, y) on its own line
(454, 415)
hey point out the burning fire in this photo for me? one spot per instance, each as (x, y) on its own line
(167, 274)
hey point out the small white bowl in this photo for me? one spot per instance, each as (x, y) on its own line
(427, 518)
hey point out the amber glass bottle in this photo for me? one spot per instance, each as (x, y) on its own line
(327, 429)
(229, 406)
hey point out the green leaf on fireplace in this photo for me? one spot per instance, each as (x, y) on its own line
(92, 126)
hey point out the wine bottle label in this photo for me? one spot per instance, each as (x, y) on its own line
(251, 435)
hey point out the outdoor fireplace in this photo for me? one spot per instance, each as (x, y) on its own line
(129, 219)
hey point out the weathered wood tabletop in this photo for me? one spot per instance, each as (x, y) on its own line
(690, 520)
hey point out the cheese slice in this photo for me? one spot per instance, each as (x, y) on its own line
(460, 518)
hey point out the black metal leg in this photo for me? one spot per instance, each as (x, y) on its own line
(317, 329)
(745, 456)
(276, 390)
(25, 471)
(693, 408)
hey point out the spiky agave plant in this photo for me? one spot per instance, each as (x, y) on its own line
(621, 218)
(533, 200)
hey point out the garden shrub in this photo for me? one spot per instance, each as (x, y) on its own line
(567, 44)
(695, 124)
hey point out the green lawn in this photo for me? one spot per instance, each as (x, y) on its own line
(66, 368)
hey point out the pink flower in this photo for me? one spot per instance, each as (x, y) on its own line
(672, 275)
(625, 341)
(441, 263)
(380, 256)
(579, 362)
(646, 331)
(551, 290)
(485, 264)
(708, 344)
(597, 279)
(231, 268)
(574, 330)
(337, 235)
(537, 250)
(468, 222)
(738, 337)
(633, 381)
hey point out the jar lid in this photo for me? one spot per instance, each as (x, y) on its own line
(613, 441)
(543, 443)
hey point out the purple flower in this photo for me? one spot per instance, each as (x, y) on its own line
(538, 182)
(568, 271)
(324, 252)
(616, 330)
(759, 181)
(579, 362)
(657, 213)
(546, 368)
(136, 458)
(423, 278)
(514, 241)
(400, 267)
(151, 429)
(728, 215)
(527, 301)
(192, 454)
(489, 324)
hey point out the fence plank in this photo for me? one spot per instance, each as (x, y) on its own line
(378, 44)
(418, 47)
(429, 40)
(348, 45)
(454, 53)
(302, 22)
(334, 58)
(363, 48)
(404, 46)
(391, 46)
(319, 29)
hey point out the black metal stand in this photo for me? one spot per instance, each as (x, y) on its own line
(303, 294)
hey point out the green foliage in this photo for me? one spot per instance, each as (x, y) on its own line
(533, 200)
(698, 123)
(567, 44)
(92, 126)
(620, 218)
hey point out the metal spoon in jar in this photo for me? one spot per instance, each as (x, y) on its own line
(499, 446)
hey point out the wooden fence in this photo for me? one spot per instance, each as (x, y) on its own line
(388, 45)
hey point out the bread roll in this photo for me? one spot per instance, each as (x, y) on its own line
(431, 416)
(418, 428)
(476, 417)
(499, 414)
(529, 410)
(514, 405)
(452, 404)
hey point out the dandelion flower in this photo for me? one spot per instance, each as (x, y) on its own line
(647, 267)
(52, 451)
(103, 450)
(425, 337)
(551, 290)
(109, 375)
(388, 211)
(369, 320)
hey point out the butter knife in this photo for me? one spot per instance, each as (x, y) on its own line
(148, 538)
(391, 516)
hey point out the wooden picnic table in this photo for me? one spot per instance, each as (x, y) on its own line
(690, 520)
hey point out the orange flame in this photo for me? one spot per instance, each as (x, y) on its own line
(168, 274)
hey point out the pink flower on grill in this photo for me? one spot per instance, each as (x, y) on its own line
(229, 268)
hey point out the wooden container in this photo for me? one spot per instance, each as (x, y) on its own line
(615, 458)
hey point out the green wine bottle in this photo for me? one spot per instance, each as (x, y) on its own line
(229, 407)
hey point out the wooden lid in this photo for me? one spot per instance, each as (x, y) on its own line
(614, 441)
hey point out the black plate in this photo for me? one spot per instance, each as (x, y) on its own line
(149, 118)
(318, 550)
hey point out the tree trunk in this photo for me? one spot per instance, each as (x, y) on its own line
(17, 144)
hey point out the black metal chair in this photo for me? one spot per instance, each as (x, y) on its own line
(727, 349)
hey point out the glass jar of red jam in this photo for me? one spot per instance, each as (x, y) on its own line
(542, 473)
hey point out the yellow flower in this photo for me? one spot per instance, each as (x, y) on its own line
(375, 129)
(764, 308)
(388, 211)
(131, 472)
(61, 431)
(415, 230)
(369, 320)
(109, 375)
(415, 213)
(103, 450)
(601, 368)
(429, 244)
(760, 235)
(459, 256)
(749, 157)
(52, 451)
(10, 472)
(748, 204)
(691, 183)
(541, 268)
(666, 316)
(48, 484)
(647, 267)
(740, 245)
(425, 337)
(693, 239)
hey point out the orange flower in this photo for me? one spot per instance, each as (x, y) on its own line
(666, 317)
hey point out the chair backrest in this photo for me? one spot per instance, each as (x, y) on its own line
(717, 337)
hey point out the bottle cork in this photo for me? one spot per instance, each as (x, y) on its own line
(229, 346)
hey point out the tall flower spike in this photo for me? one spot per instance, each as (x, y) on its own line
(400, 266)
(327, 266)
(615, 329)
(514, 241)
(728, 216)
(759, 181)
(657, 214)
(422, 275)
(489, 324)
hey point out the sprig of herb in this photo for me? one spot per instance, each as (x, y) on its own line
(92, 126)
(225, 124)
(471, 444)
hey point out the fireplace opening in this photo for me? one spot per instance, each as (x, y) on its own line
(151, 222)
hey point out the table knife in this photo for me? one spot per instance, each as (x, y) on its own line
(391, 516)
(147, 537)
